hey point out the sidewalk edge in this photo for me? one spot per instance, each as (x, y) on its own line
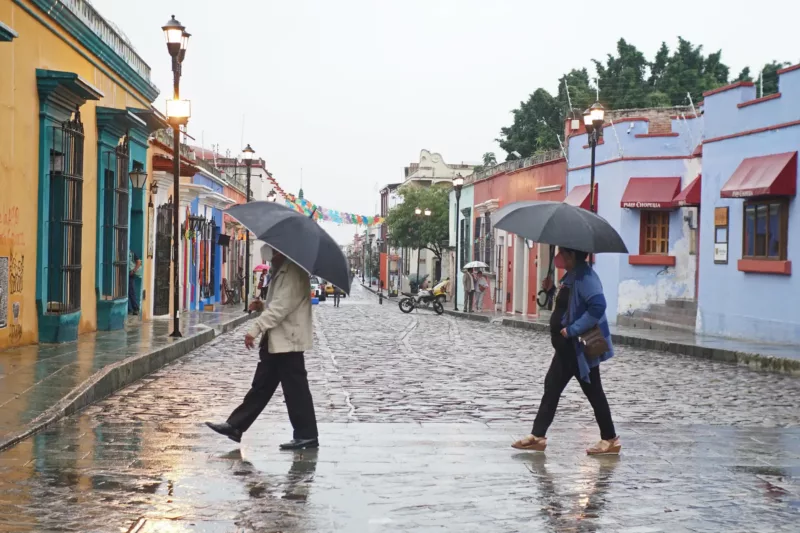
(755, 361)
(119, 375)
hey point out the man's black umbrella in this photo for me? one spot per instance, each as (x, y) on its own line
(298, 237)
(560, 224)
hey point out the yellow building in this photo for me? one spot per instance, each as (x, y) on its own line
(75, 116)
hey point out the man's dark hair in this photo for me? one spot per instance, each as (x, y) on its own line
(580, 256)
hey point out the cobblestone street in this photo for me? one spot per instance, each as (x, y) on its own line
(416, 415)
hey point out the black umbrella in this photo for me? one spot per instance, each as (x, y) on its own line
(560, 224)
(298, 237)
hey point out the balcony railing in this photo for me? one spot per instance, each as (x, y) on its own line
(110, 34)
(511, 166)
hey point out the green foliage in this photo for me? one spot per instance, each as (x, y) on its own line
(744, 75)
(409, 230)
(581, 92)
(770, 74)
(622, 78)
(489, 159)
(536, 122)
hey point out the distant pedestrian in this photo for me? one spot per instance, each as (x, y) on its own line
(469, 290)
(262, 285)
(580, 335)
(481, 288)
(134, 275)
(285, 328)
(337, 295)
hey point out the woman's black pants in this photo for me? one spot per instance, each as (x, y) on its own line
(562, 369)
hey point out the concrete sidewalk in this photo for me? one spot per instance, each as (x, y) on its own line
(780, 358)
(41, 383)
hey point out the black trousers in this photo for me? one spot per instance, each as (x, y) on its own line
(562, 369)
(288, 370)
(336, 298)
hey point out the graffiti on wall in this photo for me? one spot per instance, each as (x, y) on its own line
(16, 272)
(11, 233)
(3, 292)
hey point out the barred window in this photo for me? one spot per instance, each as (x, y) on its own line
(65, 220)
(115, 222)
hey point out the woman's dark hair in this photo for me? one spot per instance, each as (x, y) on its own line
(580, 256)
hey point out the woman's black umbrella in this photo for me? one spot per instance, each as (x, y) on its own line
(298, 237)
(560, 224)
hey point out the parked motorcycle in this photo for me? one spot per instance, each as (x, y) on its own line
(440, 290)
(422, 300)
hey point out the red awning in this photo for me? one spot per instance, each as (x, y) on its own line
(579, 196)
(767, 175)
(651, 193)
(690, 196)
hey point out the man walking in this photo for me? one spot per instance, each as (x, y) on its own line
(469, 290)
(134, 275)
(285, 330)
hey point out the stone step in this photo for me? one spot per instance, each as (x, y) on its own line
(682, 303)
(680, 317)
(647, 323)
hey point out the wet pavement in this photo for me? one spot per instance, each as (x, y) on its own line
(416, 416)
(34, 378)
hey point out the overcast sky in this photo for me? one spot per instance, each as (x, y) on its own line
(351, 90)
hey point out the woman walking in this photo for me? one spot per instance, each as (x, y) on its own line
(580, 306)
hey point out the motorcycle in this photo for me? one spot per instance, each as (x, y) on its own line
(422, 300)
(440, 291)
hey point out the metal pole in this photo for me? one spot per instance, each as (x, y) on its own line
(594, 137)
(248, 163)
(176, 182)
(457, 270)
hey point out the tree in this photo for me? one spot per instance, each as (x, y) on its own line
(770, 76)
(744, 75)
(409, 230)
(622, 78)
(689, 72)
(536, 124)
(581, 92)
(489, 159)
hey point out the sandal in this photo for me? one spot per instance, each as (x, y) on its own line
(606, 447)
(531, 443)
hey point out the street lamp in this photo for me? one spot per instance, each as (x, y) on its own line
(138, 176)
(178, 113)
(458, 183)
(247, 156)
(419, 212)
(593, 119)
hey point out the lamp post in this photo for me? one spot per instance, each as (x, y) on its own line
(419, 213)
(247, 156)
(363, 257)
(458, 183)
(178, 113)
(593, 119)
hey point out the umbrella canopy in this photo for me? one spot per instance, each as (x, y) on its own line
(259, 268)
(475, 264)
(298, 237)
(560, 224)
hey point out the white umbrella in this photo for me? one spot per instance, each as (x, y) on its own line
(476, 264)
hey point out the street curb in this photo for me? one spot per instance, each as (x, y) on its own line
(119, 375)
(778, 365)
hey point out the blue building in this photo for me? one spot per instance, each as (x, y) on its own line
(205, 270)
(750, 215)
(647, 180)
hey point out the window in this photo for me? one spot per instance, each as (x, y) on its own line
(654, 233)
(765, 229)
(484, 240)
(115, 222)
(65, 219)
(464, 244)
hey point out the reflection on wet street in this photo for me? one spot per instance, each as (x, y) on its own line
(416, 417)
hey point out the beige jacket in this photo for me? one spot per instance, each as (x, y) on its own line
(287, 314)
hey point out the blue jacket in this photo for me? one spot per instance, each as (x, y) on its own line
(587, 308)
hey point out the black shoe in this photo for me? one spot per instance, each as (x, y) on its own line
(227, 430)
(300, 444)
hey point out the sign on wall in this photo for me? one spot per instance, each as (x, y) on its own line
(721, 235)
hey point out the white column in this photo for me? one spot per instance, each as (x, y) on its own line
(515, 269)
(526, 277)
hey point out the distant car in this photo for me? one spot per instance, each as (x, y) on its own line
(330, 288)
